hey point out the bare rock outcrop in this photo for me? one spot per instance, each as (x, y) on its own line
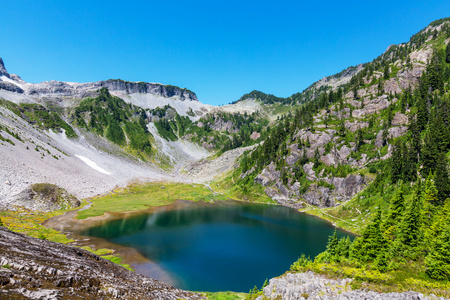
(308, 285)
(45, 197)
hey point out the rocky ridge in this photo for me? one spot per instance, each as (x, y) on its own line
(58, 89)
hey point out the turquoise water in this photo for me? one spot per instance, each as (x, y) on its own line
(222, 246)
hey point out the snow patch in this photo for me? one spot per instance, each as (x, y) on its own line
(92, 164)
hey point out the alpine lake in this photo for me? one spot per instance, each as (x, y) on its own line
(224, 246)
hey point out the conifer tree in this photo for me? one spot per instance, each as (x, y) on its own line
(422, 113)
(343, 247)
(442, 180)
(386, 71)
(332, 244)
(371, 243)
(438, 261)
(410, 233)
(429, 155)
(397, 162)
(396, 210)
(410, 168)
(447, 53)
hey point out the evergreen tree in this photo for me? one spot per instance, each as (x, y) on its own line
(397, 162)
(447, 53)
(359, 139)
(410, 165)
(410, 226)
(386, 72)
(429, 155)
(371, 243)
(343, 247)
(396, 210)
(385, 135)
(332, 244)
(422, 113)
(442, 178)
(438, 261)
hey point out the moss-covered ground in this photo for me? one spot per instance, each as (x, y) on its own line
(143, 196)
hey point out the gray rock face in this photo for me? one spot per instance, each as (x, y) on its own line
(40, 269)
(81, 90)
(3, 69)
(10, 87)
(299, 286)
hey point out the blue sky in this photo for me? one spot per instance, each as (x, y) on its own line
(219, 49)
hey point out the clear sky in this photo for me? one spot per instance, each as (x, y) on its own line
(218, 49)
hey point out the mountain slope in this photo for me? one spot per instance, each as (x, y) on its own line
(321, 153)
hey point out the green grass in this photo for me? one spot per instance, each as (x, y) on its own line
(142, 196)
(224, 295)
(227, 185)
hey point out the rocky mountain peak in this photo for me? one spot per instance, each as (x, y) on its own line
(3, 69)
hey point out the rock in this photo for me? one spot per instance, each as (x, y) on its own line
(7, 182)
(45, 197)
(308, 168)
(309, 285)
(263, 180)
(3, 71)
(328, 159)
(400, 119)
(255, 135)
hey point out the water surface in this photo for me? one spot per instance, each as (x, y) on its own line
(225, 246)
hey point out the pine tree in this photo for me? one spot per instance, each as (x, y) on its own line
(429, 155)
(359, 139)
(422, 113)
(447, 53)
(386, 71)
(397, 162)
(410, 165)
(442, 180)
(396, 210)
(438, 261)
(410, 232)
(429, 213)
(385, 135)
(371, 243)
(343, 247)
(332, 244)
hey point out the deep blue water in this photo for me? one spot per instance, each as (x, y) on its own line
(223, 246)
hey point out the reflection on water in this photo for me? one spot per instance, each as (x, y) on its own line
(219, 247)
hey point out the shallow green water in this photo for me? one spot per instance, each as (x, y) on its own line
(220, 247)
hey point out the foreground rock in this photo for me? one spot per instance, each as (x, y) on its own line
(38, 269)
(293, 286)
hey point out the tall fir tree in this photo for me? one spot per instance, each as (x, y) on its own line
(396, 211)
(438, 261)
(410, 233)
(429, 155)
(442, 178)
(397, 162)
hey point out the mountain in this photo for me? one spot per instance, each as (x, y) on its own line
(318, 152)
